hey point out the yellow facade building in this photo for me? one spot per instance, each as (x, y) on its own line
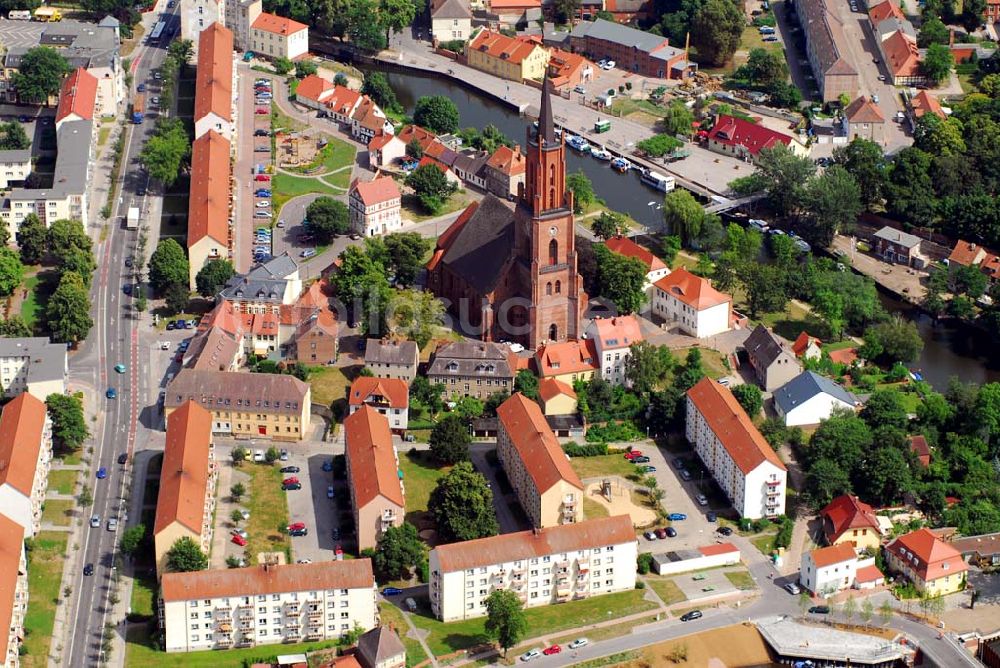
(507, 57)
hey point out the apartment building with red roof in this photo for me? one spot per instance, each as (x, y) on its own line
(389, 396)
(186, 502)
(691, 304)
(377, 494)
(736, 454)
(567, 361)
(275, 37)
(933, 566)
(25, 457)
(542, 566)
(321, 601)
(556, 397)
(745, 140)
(848, 519)
(511, 58)
(208, 235)
(375, 207)
(313, 92)
(613, 339)
(864, 119)
(826, 46)
(342, 103)
(316, 339)
(902, 58)
(13, 590)
(77, 98)
(505, 171)
(538, 469)
(214, 82)
(655, 267)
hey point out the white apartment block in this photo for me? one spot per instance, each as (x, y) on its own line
(828, 570)
(691, 304)
(196, 15)
(274, 36)
(613, 338)
(543, 566)
(32, 365)
(266, 604)
(734, 452)
(375, 207)
(240, 15)
(13, 590)
(25, 457)
(14, 167)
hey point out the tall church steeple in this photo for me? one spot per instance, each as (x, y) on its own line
(545, 180)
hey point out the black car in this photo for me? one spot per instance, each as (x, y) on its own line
(299, 532)
(128, 262)
(671, 532)
(725, 531)
(261, 133)
(690, 616)
(127, 288)
(290, 469)
(292, 486)
(88, 570)
(820, 610)
(122, 458)
(141, 192)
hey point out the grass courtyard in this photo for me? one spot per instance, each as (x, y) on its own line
(335, 155)
(268, 511)
(59, 512)
(62, 481)
(420, 476)
(666, 589)
(286, 187)
(45, 566)
(140, 653)
(592, 467)
(393, 616)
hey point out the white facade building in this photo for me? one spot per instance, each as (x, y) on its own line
(32, 365)
(691, 304)
(612, 339)
(278, 37)
(544, 566)
(810, 398)
(375, 207)
(266, 604)
(14, 167)
(13, 590)
(240, 15)
(735, 453)
(829, 570)
(196, 15)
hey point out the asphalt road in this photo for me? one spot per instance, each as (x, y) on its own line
(112, 341)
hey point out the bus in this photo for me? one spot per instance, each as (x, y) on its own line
(48, 14)
(19, 15)
(157, 32)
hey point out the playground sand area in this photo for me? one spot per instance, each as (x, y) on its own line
(621, 503)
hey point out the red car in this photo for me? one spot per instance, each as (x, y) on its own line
(240, 540)
(263, 111)
(632, 454)
(290, 481)
(551, 649)
(297, 526)
(262, 177)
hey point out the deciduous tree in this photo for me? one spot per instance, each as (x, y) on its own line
(132, 539)
(716, 29)
(462, 504)
(621, 279)
(833, 200)
(864, 160)
(398, 551)
(185, 556)
(647, 366)
(32, 239)
(784, 175)
(376, 86)
(395, 15)
(69, 429)
(11, 271)
(40, 75)
(168, 265)
(13, 137)
(414, 314)
(327, 218)
(750, 398)
(505, 621)
(608, 224)
(213, 276)
(937, 63)
(166, 151)
(431, 186)
(582, 189)
(68, 312)
(683, 215)
(14, 327)
(450, 439)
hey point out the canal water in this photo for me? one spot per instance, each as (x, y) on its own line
(962, 352)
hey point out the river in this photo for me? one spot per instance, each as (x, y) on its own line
(962, 352)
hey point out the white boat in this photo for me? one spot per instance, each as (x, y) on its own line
(579, 143)
(599, 154)
(658, 181)
(621, 165)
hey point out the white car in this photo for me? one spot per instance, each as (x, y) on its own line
(258, 455)
(112, 524)
(304, 561)
(609, 65)
(531, 655)
(875, 98)
(578, 643)
(95, 521)
(263, 204)
(164, 345)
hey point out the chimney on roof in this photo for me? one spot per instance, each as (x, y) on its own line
(536, 531)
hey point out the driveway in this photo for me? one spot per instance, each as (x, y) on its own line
(310, 504)
(509, 522)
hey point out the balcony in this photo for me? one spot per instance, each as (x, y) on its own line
(293, 634)
(563, 594)
(293, 623)
(245, 625)
(245, 641)
(291, 607)
(583, 593)
(499, 575)
(314, 613)
(244, 612)
(772, 483)
(223, 613)
(314, 635)
(225, 641)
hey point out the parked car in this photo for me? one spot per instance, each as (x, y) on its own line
(328, 465)
(411, 605)
(263, 192)
(792, 589)
(290, 469)
(258, 456)
(291, 487)
(632, 454)
(122, 458)
(261, 133)
(95, 521)
(725, 531)
(701, 499)
(649, 535)
(283, 456)
(551, 649)
(661, 533)
(530, 655)
(685, 475)
(711, 516)
(329, 491)
(309, 252)
(820, 610)
(671, 532)
(679, 463)
(578, 643)
(677, 517)
(239, 532)
(112, 393)
(102, 473)
(648, 469)
(641, 459)
(88, 570)
(689, 616)
(391, 591)
(239, 540)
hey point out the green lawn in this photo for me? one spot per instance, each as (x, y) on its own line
(286, 186)
(143, 593)
(393, 616)
(591, 467)
(62, 481)
(606, 632)
(765, 543)
(102, 135)
(330, 384)
(268, 511)
(30, 306)
(420, 476)
(45, 567)
(592, 510)
(140, 653)
(447, 638)
(336, 154)
(741, 579)
(666, 589)
(413, 211)
(69, 458)
(58, 512)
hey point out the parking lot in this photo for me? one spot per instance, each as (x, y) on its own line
(263, 160)
(20, 33)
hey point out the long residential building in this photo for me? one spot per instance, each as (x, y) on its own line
(506, 57)
(734, 452)
(214, 82)
(34, 365)
(377, 494)
(826, 49)
(245, 405)
(25, 456)
(548, 488)
(267, 604)
(542, 566)
(209, 228)
(185, 506)
(13, 590)
(390, 397)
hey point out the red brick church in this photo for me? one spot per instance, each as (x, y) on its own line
(511, 272)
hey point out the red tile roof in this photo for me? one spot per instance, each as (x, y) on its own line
(925, 103)
(508, 49)
(278, 25)
(718, 548)
(695, 291)
(919, 446)
(78, 96)
(835, 554)
(618, 332)
(185, 473)
(382, 189)
(732, 426)
(22, 426)
(565, 67)
(863, 110)
(556, 359)
(929, 556)
(802, 343)
(208, 206)
(844, 355)
(868, 574)
(11, 545)
(536, 445)
(500, 6)
(901, 55)
(550, 388)
(380, 140)
(846, 513)
(885, 10)
(428, 160)
(731, 131)
(314, 88)
(967, 253)
(259, 580)
(624, 246)
(344, 101)
(424, 137)
(373, 468)
(213, 87)
(365, 388)
(524, 545)
(509, 161)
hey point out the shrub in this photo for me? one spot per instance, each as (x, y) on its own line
(784, 537)
(644, 563)
(613, 431)
(591, 450)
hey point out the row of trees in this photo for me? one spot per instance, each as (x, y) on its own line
(715, 26)
(167, 150)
